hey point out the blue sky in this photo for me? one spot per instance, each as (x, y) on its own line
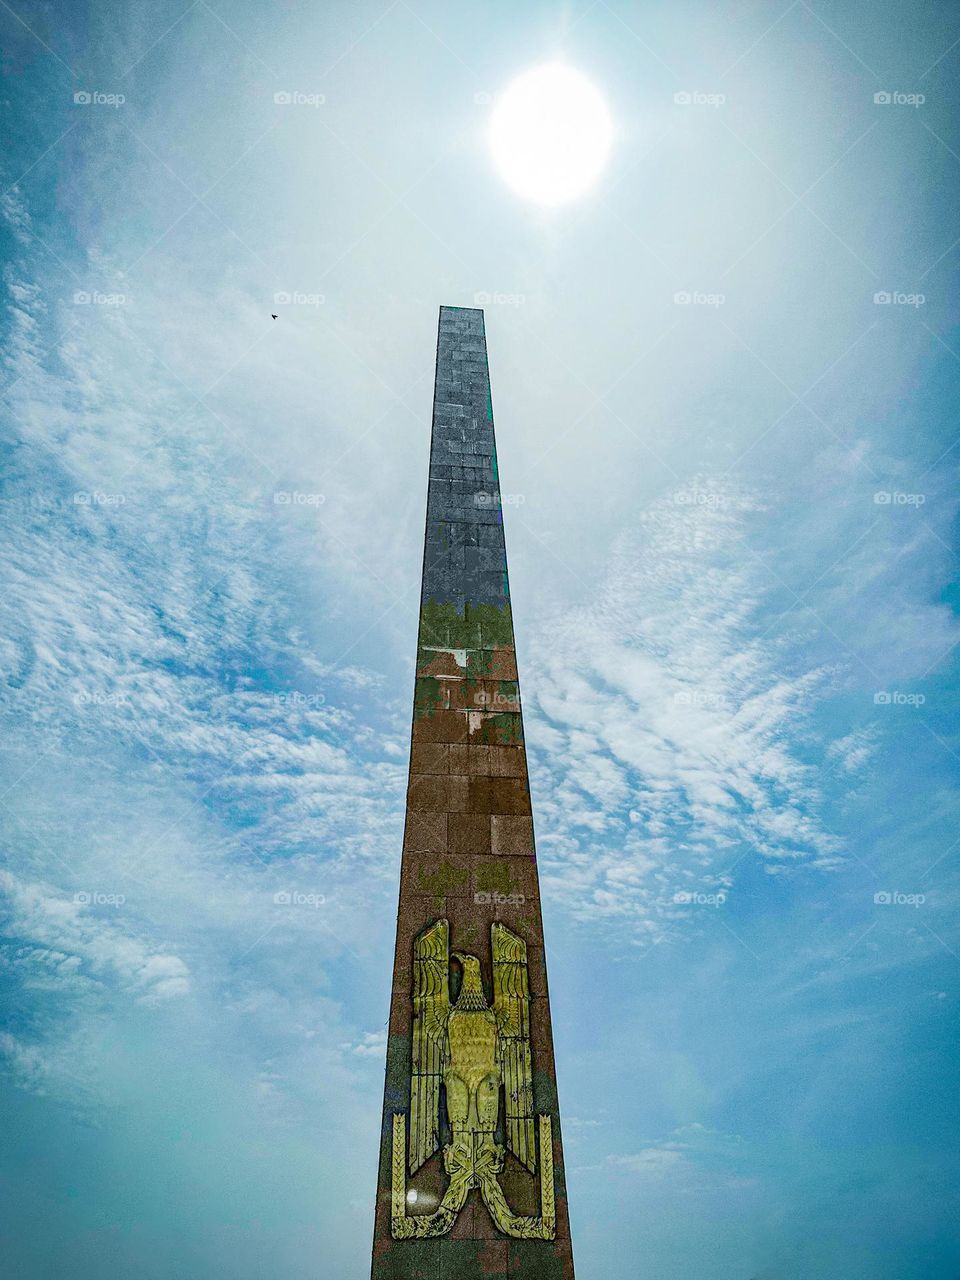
(731, 532)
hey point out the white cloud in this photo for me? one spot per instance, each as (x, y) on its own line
(854, 750)
(178, 742)
(652, 1161)
(87, 942)
(373, 1044)
(670, 738)
(693, 1155)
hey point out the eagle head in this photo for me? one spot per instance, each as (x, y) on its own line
(471, 990)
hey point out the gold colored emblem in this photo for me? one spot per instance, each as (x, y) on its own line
(471, 1049)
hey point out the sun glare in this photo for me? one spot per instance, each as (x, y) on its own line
(550, 134)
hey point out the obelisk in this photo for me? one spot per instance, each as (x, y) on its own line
(471, 1163)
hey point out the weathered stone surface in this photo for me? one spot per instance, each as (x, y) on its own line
(468, 848)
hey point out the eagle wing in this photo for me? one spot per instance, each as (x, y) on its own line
(511, 1003)
(431, 1008)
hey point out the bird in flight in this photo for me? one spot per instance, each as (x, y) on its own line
(272, 316)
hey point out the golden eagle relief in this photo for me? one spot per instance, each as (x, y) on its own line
(471, 1049)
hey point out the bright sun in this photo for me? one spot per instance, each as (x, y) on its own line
(550, 134)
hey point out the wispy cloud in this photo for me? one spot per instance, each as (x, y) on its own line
(234, 793)
(673, 735)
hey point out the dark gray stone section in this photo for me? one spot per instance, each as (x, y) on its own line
(465, 560)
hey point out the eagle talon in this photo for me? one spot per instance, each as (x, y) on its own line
(455, 1158)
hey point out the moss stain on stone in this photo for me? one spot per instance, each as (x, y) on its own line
(428, 696)
(493, 876)
(444, 878)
